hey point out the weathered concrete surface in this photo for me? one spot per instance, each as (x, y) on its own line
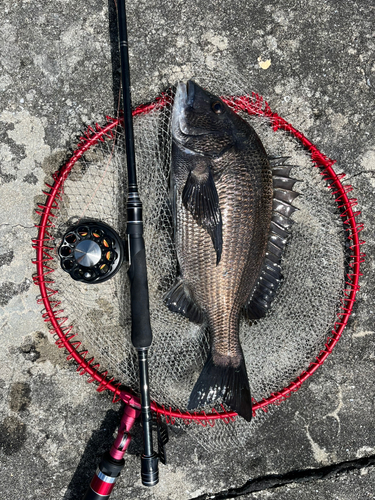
(345, 487)
(314, 62)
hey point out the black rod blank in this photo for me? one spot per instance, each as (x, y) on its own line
(125, 76)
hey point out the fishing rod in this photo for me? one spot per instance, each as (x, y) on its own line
(141, 328)
(113, 462)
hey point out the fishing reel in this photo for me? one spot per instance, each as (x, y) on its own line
(91, 252)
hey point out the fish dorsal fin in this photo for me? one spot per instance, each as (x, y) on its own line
(270, 276)
(201, 199)
(178, 300)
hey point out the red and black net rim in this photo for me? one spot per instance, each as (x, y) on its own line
(53, 312)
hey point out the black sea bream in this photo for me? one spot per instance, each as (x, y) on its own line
(223, 207)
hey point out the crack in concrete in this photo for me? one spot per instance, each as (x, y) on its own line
(363, 172)
(297, 476)
(15, 226)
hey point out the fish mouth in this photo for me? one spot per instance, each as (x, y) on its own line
(178, 112)
(184, 100)
(190, 92)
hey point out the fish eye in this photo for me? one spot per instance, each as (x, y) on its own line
(217, 107)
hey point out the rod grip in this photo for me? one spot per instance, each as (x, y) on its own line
(140, 308)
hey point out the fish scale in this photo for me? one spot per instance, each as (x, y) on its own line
(221, 290)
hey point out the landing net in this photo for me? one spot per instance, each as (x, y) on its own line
(320, 266)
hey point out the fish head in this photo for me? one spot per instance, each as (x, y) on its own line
(201, 122)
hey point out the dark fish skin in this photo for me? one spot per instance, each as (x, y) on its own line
(222, 203)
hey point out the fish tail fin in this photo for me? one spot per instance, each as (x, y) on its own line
(227, 383)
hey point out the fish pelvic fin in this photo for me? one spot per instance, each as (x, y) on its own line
(227, 384)
(178, 300)
(201, 199)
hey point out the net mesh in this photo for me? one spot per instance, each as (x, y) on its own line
(276, 348)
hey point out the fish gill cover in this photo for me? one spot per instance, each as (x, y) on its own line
(276, 348)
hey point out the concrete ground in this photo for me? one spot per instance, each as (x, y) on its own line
(314, 62)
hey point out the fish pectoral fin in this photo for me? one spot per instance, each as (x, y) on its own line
(201, 199)
(178, 300)
(227, 384)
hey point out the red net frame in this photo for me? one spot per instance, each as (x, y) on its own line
(53, 313)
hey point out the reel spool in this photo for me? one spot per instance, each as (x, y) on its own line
(91, 252)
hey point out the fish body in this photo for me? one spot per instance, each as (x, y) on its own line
(222, 205)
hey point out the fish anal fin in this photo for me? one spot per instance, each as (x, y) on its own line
(225, 383)
(200, 197)
(178, 300)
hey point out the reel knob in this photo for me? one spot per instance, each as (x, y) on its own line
(91, 252)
